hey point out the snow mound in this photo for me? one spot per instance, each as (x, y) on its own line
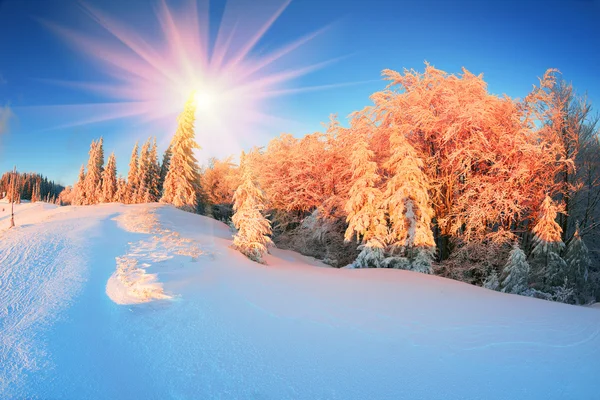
(131, 283)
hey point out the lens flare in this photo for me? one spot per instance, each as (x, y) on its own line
(150, 78)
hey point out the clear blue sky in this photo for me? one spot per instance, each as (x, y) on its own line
(510, 42)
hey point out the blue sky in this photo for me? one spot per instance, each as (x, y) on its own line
(511, 42)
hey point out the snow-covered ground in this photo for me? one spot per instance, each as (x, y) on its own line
(149, 302)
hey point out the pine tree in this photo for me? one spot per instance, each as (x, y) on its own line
(100, 155)
(35, 195)
(181, 186)
(93, 178)
(366, 218)
(492, 282)
(132, 176)
(515, 275)
(109, 181)
(164, 168)
(122, 190)
(153, 182)
(372, 255)
(406, 201)
(253, 229)
(143, 171)
(578, 260)
(548, 268)
(80, 194)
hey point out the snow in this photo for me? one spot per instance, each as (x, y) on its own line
(234, 329)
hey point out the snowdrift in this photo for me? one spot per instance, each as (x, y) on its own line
(146, 301)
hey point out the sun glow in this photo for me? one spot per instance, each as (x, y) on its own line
(150, 79)
(205, 101)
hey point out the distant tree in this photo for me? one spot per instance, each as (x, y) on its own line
(143, 173)
(122, 191)
(578, 261)
(548, 268)
(253, 228)
(164, 168)
(515, 275)
(132, 176)
(181, 186)
(93, 178)
(109, 181)
(36, 196)
(153, 178)
(80, 195)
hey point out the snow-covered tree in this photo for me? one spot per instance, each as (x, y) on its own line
(406, 201)
(164, 168)
(181, 186)
(35, 195)
(366, 218)
(153, 176)
(253, 228)
(548, 268)
(132, 176)
(143, 170)
(93, 178)
(109, 181)
(578, 260)
(122, 190)
(492, 282)
(372, 255)
(80, 195)
(515, 275)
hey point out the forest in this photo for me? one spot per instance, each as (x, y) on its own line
(437, 175)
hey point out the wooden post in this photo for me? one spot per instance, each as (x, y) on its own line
(12, 198)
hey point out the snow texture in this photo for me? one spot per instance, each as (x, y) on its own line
(235, 329)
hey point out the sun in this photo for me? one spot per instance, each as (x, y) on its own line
(204, 100)
(149, 80)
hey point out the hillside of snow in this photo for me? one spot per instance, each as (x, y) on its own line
(149, 302)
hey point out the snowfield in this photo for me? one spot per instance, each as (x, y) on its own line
(149, 302)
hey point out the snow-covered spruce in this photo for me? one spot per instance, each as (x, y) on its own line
(181, 186)
(578, 260)
(548, 269)
(253, 228)
(366, 218)
(515, 275)
(109, 181)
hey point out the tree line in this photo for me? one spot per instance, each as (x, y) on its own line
(28, 186)
(441, 176)
(437, 176)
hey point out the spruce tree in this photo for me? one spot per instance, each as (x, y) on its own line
(132, 176)
(80, 194)
(122, 190)
(181, 186)
(578, 260)
(109, 181)
(100, 155)
(548, 268)
(366, 218)
(143, 171)
(515, 275)
(253, 228)
(164, 168)
(153, 183)
(35, 194)
(406, 201)
(93, 178)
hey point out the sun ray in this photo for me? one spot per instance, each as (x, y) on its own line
(257, 36)
(150, 79)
